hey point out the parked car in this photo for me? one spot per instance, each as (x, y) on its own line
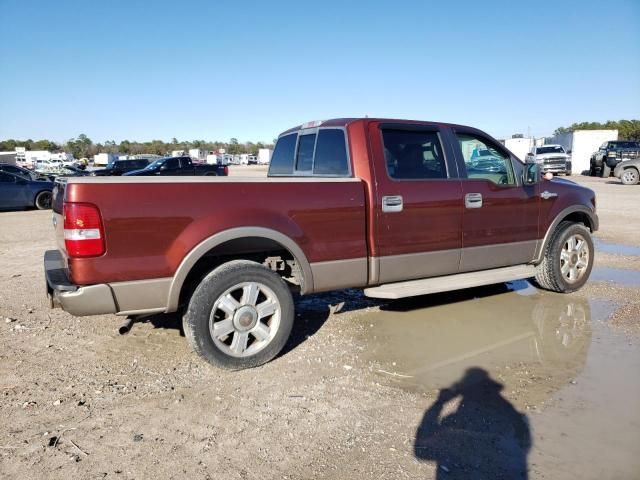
(610, 154)
(553, 158)
(179, 166)
(69, 171)
(628, 171)
(120, 167)
(21, 172)
(19, 192)
(391, 206)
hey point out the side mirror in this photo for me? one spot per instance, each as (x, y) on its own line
(531, 174)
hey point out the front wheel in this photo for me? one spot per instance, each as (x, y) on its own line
(43, 200)
(606, 170)
(630, 176)
(568, 259)
(240, 316)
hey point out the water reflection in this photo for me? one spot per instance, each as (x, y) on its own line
(429, 342)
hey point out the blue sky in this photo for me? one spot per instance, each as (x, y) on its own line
(220, 69)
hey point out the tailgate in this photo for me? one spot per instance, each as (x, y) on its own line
(57, 205)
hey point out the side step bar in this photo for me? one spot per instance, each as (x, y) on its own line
(447, 283)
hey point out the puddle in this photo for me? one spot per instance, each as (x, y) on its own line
(511, 358)
(429, 342)
(628, 278)
(616, 248)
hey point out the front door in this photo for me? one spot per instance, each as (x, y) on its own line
(500, 219)
(418, 211)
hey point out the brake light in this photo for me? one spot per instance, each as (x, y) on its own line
(83, 231)
(226, 170)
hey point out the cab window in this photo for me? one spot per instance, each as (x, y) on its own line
(413, 154)
(485, 161)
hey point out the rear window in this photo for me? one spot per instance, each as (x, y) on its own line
(283, 155)
(321, 153)
(306, 146)
(331, 153)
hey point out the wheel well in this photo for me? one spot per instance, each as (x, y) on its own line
(579, 217)
(258, 249)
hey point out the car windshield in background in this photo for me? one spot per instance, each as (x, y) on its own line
(624, 145)
(157, 164)
(543, 150)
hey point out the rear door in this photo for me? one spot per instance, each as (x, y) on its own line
(418, 207)
(500, 220)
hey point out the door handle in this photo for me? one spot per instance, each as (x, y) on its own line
(473, 200)
(392, 203)
(547, 195)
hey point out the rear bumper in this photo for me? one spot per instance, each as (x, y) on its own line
(79, 301)
(138, 297)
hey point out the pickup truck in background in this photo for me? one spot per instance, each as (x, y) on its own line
(610, 154)
(120, 167)
(552, 158)
(399, 208)
(179, 166)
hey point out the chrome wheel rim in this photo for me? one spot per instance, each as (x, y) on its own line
(245, 319)
(630, 176)
(574, 258)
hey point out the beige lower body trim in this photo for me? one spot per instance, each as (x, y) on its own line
(337, 274)
(141, 296)
(498, 255)
(395, 268)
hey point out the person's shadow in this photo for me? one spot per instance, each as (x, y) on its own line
(484, 438)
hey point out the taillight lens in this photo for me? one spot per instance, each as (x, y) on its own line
(83, 232)
(226, 170)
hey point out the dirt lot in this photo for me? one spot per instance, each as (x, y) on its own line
(488, 383)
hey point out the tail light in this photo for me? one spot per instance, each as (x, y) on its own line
(226, 170)
(83, 231)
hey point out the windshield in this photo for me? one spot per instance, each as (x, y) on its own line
(549, 149)
(624, 144)
(157, 164)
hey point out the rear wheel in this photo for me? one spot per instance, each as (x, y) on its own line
(43, 200)
(630, 176)
(568, 259)
(211, 174)
(240, 316)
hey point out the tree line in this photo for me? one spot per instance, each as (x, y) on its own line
(627, 129)
(83, 147)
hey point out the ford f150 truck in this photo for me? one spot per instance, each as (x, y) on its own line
(399, 208)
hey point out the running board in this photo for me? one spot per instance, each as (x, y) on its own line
(447, 283)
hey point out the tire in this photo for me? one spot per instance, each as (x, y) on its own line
(211, 174)
(43, 200)
(630, 176)
(230, 299)
(605, 172)
(563, 257)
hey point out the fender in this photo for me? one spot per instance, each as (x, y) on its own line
(232, 234)
(542, 244)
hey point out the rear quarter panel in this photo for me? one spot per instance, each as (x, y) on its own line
(152, 223)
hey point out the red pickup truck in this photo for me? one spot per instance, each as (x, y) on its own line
(396, 207)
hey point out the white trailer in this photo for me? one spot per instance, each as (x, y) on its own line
(519, 146)
(104, 159)
(264, 156)
(178, 153)
(197, 155)
(582, 144)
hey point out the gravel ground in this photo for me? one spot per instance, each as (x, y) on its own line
(354, 394)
